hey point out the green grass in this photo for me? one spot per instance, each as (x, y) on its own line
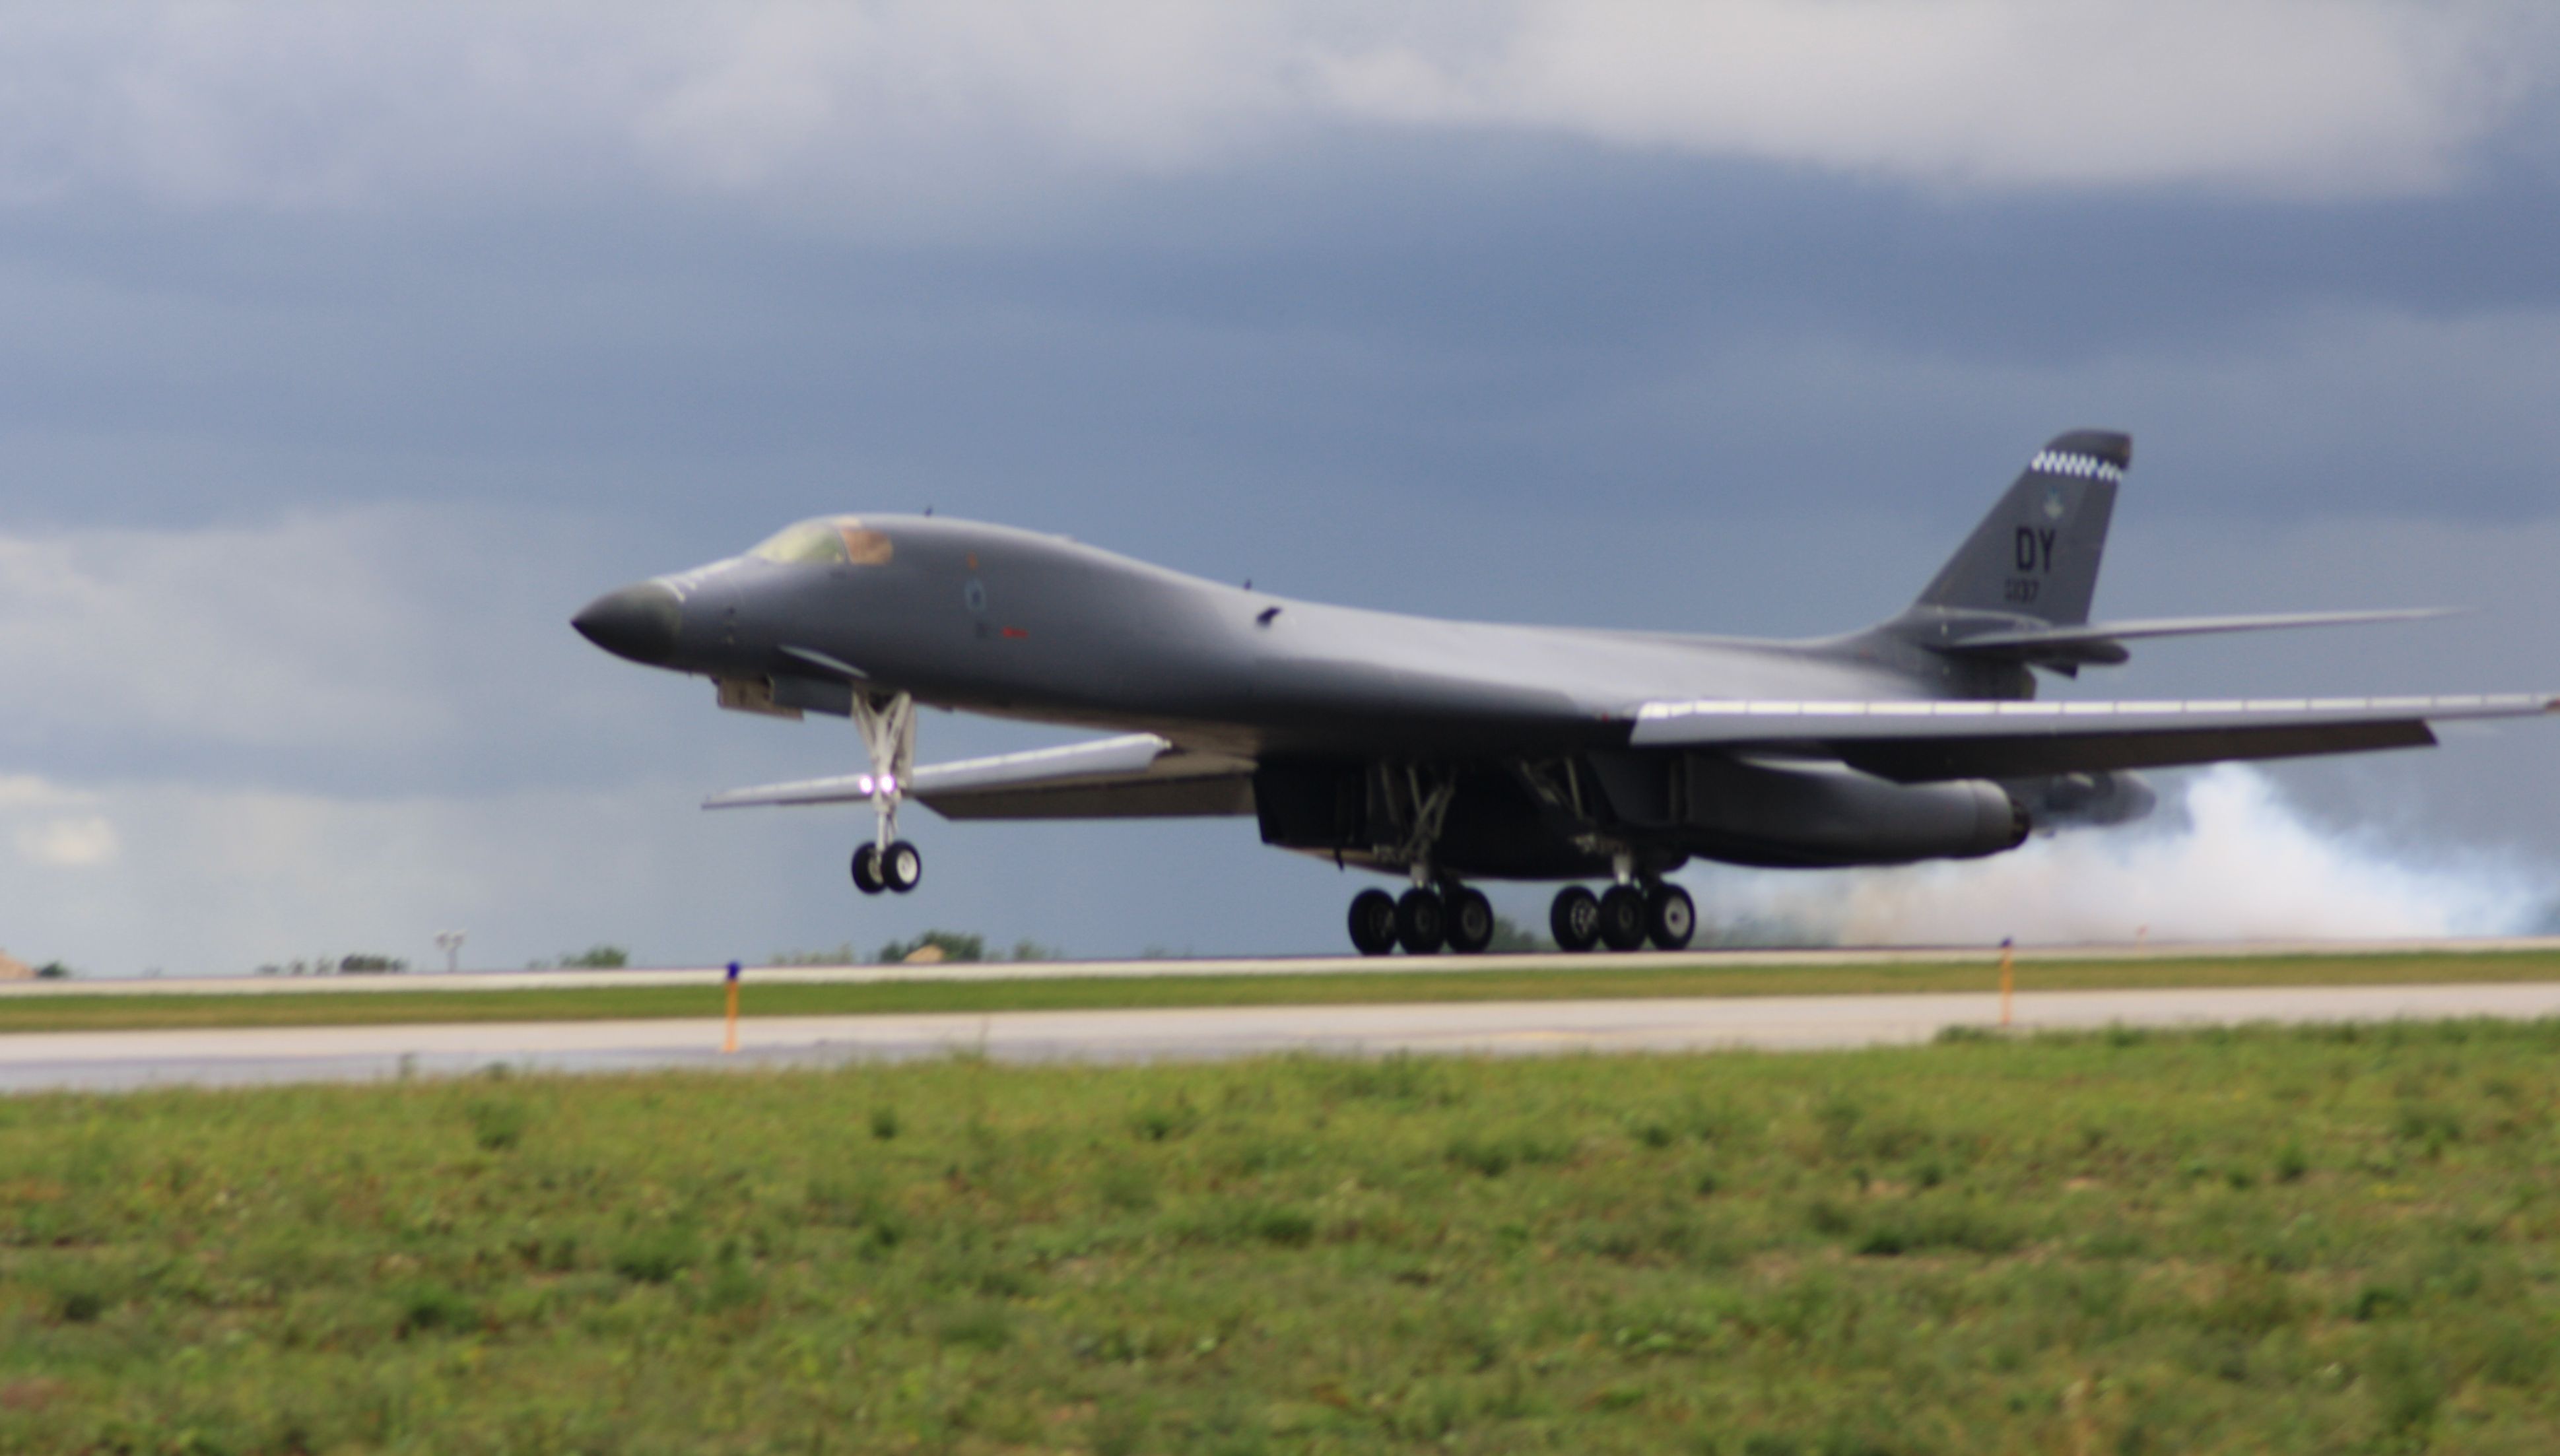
(1568, 978)
(2340, 1239)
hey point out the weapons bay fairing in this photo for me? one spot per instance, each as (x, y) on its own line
(1445, 752)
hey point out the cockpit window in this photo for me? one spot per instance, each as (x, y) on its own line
(863, 547)
(811, 543)
(828, 540)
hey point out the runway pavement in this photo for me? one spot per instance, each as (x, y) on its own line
(1294, 965)
(108, 1061)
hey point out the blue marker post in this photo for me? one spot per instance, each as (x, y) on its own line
(2008, 979)
(728, 1042)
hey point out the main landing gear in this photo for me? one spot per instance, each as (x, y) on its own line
(888, 726)
(1623, 918)
(1437, 911)
(1422, 920)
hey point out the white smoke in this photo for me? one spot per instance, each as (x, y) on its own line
(2232, 859)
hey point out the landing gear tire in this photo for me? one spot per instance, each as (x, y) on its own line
(1374, 921)
(1670, 917)
(1621, 918)
(1575, 919)
(867, 875)
(1471, 922)
(902, 865)
(1421, 921)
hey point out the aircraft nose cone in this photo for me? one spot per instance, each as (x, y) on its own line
(637, 622)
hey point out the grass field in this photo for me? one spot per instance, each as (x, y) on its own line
(1563, 979)
(2324, 1241)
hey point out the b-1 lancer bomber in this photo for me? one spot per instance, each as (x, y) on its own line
(1446, 752)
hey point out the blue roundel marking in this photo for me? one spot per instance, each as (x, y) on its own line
(975, 593)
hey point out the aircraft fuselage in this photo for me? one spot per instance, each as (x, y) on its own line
(989, 620)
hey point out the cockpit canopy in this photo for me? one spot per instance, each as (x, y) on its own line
(827, 541)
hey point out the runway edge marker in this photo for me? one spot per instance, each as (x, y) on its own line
(728, 1037)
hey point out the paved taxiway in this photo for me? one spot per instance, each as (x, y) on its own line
(124, 1060)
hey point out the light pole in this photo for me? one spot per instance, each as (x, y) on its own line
(450, 943)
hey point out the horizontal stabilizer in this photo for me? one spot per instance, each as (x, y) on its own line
(1137, 776)
(2103, 643)
(1924, 740)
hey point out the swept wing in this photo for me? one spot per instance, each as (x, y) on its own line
(1916, 742)
(1133, 776)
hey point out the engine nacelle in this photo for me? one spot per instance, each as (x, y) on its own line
(2083, 800)
(1814, 813)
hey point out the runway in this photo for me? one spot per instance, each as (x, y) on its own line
(1293, 965)
(120, 1061)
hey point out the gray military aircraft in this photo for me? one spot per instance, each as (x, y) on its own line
(1448, 752)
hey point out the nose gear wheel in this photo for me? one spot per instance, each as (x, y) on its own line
(901, 865)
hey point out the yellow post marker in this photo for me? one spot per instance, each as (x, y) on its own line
(2008, 981)
(728, 1042)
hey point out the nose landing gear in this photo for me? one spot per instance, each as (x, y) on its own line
(887, 726)
(895, 868)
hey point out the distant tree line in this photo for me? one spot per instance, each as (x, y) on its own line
(1509, 939)
(361, 963)
(593, 959)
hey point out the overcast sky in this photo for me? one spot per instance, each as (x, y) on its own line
(348, 350)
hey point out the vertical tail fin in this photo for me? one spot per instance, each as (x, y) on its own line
(2036, 554)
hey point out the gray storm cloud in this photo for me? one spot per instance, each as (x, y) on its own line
(294, 633)
(858, 107)
(2284, 96)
